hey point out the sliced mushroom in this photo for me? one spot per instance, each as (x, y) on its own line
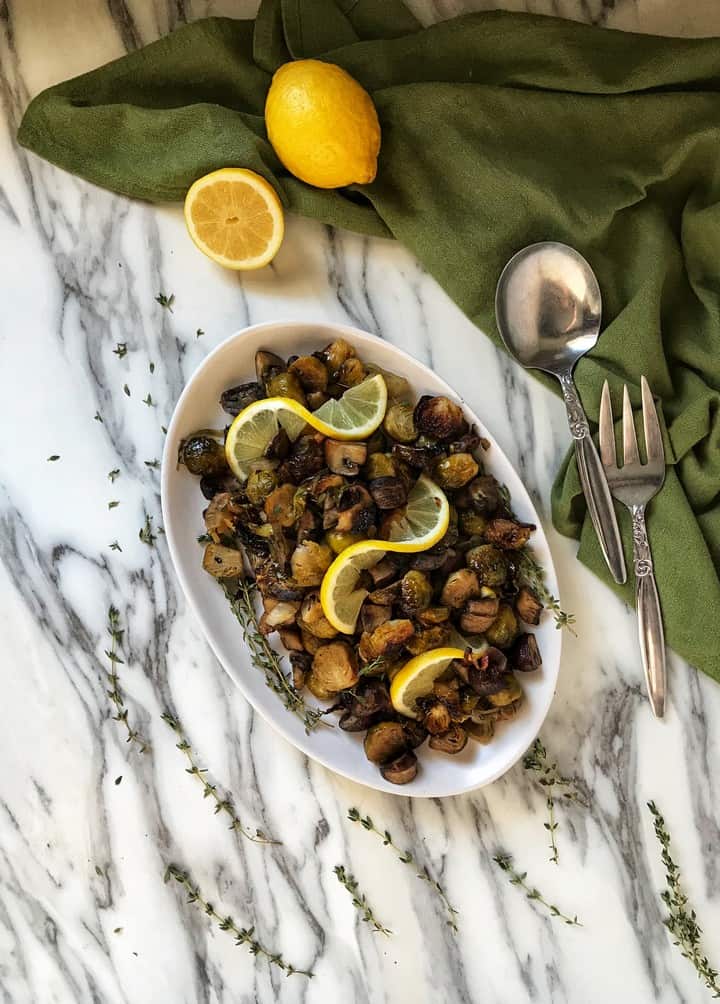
(388, 492)
(291, 639)
(223, 562)
(401, 770)
(452, 741)
(432, 560)
(345, 458)
(482, 732)
(313, 619)
(369, 701)
(525, 656)
(387, 595)
(278, 613)
(528, 605)
(385, 571)
(301, 663)
(267, 364)
(372, 615)
(460, 587)
(509, 534)
(309, 562)
(384, 742)
(478, 615)
(236, 399)
(335, 667)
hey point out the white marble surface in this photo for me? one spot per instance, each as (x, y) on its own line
(87, 824)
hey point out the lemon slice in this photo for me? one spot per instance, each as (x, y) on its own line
(356, 415)
(426, 519)
(235, 217)
(417, 677)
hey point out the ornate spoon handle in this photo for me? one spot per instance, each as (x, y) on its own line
(650, 625)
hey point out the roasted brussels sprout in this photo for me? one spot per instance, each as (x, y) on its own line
(315, 399)
(433, 616)
(484, 494)
(528, 605)
(380, 465)
(311, 373)
(511, 692)
(455, 471)
(490, 564)
(203, 455)
(335, 354)
(234, 400)
(212, 484)
(399, 423)
(415, 593)
(259, 485)
(312, 618)
(267, 365)
(439, 418)
(279, 507)
(306, 459)
(401, 770)
(309, 562)
(384, 742)
(503, 630)
(279, 446)
(386, 639)
(453, 741)
(508, 534)
(337, 541)
(460, 587)
(426, 638)
(351, 373)
(335, 667)
(420, 457)
(525, 655)
(286, 385)
(345, 457)
(436, 718)
(223, 562)
(478, 615)
(389, 492)
(472, 524)
(310, 643)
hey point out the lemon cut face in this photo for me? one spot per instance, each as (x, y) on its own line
(417, 677)
(235, 217)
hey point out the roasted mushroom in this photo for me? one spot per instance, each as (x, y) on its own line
(460, 587)
(312, 618)
(335, 354)
(525, 656)
(511, 692)
(351, 373)
(292, 641)
(223, 562)
(528, 605)
(306, 458)
(301, 663)
(278, 613)
(455, 471)
(236, 399)
(309, 562)
(481, 732)
(484, 494)
(401, 770)
(478, 615)
(490, 564)
(344, 457)
(503, 630)
(453, 741)
(334, 667)
(415, 593)
(372, 615)
(439, 417)
(388, 492)
(384, 742)
(369, 700)
(203, 455)
(311, 373)
(285, 385)
(399, 423)
(509, 534)
(267, 364)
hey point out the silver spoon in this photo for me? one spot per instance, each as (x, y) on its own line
(548, 308)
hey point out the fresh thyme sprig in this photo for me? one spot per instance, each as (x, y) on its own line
(407, 859)
(115, 693)
(166, 301)
(242, 935)
(359, 900)
(222, 804)
(146, 534)
(534, 576)
(681, 920)
(550, 778)
(504, 861)
(266, 659)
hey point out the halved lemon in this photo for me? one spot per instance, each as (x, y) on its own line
(425, 522)
(235, 217)
(355, 415)
(417, 677)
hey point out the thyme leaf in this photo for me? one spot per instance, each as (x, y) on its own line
(149, 401)
(113, 505)
(199, 333)
(114, 474)
(359, 900)
(146, 534)
(115, 693)
(504, 861)
(243, 936)
(115, 546)
(120, 350)
(166, 301)
(98, 417)
(53, 457)
(536, 760)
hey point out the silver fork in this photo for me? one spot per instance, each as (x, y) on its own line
(634, 484)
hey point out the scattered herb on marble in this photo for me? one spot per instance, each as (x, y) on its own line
(120, 350)
(199, 333)
(504, 861)
(154, 464)
(407, 859)
(53, 457)
(115, 473)
(536, 760)
(359, 900)
(149, 401)
(118, 779)
(164, 430)
(151, 366)
(681, 920)
(117, 930)
(114, 504)
(266, 658)
(166, 301)
(146, 534)
(98, 417)
(126, 389)
(115, 546)
(243, 936)
(533, 575)
(115, 693)
(222, 804)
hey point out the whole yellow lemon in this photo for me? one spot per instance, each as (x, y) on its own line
(322, 124)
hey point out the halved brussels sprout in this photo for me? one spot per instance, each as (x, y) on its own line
(415, 593)
(259, 485)
(399, 423)
(311, 373)
(439, 418)
(489, 563)
(503, 630)
(455, 471)
(385, 742)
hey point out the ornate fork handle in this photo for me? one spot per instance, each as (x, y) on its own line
(652, 645)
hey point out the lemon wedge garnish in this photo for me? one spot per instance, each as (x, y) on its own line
(355, 415)
(417, 677)
(423, 524)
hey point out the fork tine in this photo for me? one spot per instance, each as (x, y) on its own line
(653, 437)
(607, 429)
(630, 446)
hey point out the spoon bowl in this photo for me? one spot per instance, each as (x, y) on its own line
(548, 307)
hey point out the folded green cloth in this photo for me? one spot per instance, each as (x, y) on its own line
(498, 130)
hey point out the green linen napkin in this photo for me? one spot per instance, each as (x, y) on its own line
(498, 130)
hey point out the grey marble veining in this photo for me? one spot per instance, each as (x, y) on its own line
(88, 824)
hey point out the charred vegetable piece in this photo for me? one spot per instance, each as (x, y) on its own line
(259, 485)
(335, 667)
(344, 457)
(460, 587)
(279, 446)
(484, 672)
(285, 385)
(278, 613)
(222, 515)
(356, 511)
(236, 399)
(380, 465)
(525, 655)
(439, 418)
(437, 718)
(508, 534)
(384, 742)
(484, 494)
(402, 770)
(308, 526)
(511, 692)
(223, 562)
(419, 457)
(300, 662)
(453, 741)
(335, 354)
(429, 637)
(467, 443)
(316, 398)
(309, 562)
(351, 373)
(472, 524)
(432, 560)
(310, 643)
(503, 630)
(369, 701)
(203, 455)
(415, 732)
(415, 593)
(311, 373)
(455, 471)
(388, 594)
(306, 459)
(292, 641)
(267, 365)
(313, 619)
(386, 570)
(325, 486)
(399, 423)
(273, 582)
(528, 605)
(509, 711)
(481, 732)
(386, 639)
(388, 492)
(478, 615)
(433, 616)
(489, 563)
(372, 615)
(279, 506)
(212, 484)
